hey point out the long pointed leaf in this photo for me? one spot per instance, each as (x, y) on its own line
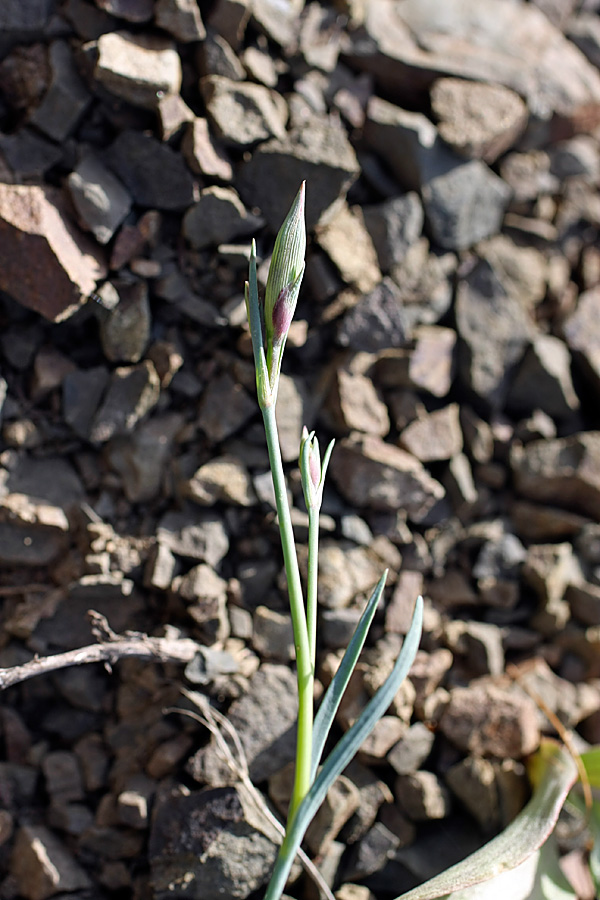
(524, 835)
(334, 693)
(342, 753)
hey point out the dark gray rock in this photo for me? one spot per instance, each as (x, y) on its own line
(473, 781)
(412, 750)
(31, 534)
(66, 98)
(565, 472)
(582, 335)
(371, 473)
(225, 407)
(265, 718)
(181, 18)
(372, 852)
(132, 392)
(543, 380)
(319, 152)
(209, 845)
(377, 322)
(29, 154)
(394, 226)
(141, 459)
(100, 199)
(81, 395)
(130, 10)
(215, 56)
(194, 535)
(422, 796)
(125, 330)
(243, 113)
(494, 330)
(153, 173)
(48, 479)
(218, 217)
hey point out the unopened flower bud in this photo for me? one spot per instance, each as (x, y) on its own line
(283, 283)
(311, 470)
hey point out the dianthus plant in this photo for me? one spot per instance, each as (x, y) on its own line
(269, 326)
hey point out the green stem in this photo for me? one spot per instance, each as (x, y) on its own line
(305, 672)
(311, 587)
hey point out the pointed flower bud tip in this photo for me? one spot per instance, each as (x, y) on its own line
(286, 269)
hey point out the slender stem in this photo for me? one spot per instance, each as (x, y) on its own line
(305, 672)
(311, 587)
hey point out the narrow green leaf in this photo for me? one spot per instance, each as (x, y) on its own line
(342, 753)
(523, 837)
(334, 693)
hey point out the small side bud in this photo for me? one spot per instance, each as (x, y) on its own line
(311, 470)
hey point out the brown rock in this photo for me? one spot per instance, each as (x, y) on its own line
(582, 334)
(243, 113)
(428, 366)
(138, 68)
(202, 154)
(348, 244)
(488, 720)
(422, 796)
(435, 436)
(481, 121)
(374, 474)
(354, 405)
(43, 866)
(564, 471)
(45, 262)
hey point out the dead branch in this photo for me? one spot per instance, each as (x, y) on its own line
(110, 648)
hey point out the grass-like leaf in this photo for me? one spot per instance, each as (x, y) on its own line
(334, 693)
(342, 754)
(557, 772)
(591, 764)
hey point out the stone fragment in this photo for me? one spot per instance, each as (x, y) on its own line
(571, 703)
(206, 593)
(408, 47)
(318, 152)
(218, 217)
(216, 57)
(173, 114)
(583, 30)
(543, 380)
(133, 803)
(62, 776)
(223, 479)
(434, 436)
(399, 610)
(210, 844)
(292, 411)
(137, 68)
(31, 533)
(100, 199)
(273, 634)
(260, 66)
(354, 404)
(24, 76)
(480, 121)
(153, 173)
(464, 201)
(141, 459)
(480, 643)
(374, 850)
(47, 480)
(422, 796)
(243, 113)
(202, 154)
(377, 322)
(337, 626)
(130, 10)
(473, 781)
(27, 155)
(583, 335)
(131, 393)
(81, 396)
(584, 601)
(523, 271)
(125, 329)
(348, 245)
(346, 571)
(412, 750)
(36, 237)
(43, 866)
(371, 473)
(488, 720)
(181, 18)
(494, 329)
(194, 535)
(229, 18)
(66, 99)
(427, 366)
(565, 471)
(225, 407)
(277, 22)
(549, 569)
(394, 226)
(265, 718)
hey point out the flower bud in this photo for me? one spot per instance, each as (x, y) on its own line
(283, 283)
(311, 470)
